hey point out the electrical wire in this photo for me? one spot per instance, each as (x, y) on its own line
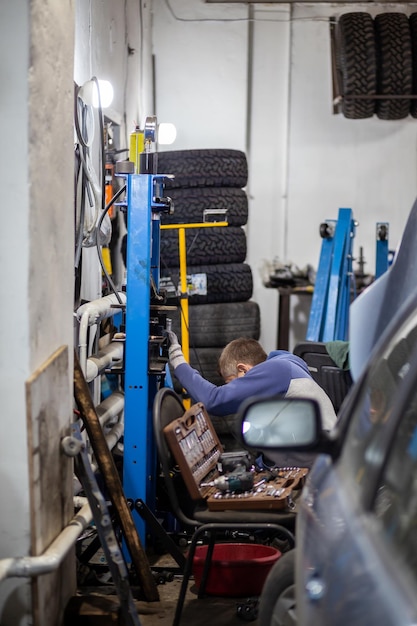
(315, 18)
(94, 187)
(98, 246)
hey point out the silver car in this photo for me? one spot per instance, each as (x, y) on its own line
(355, 560)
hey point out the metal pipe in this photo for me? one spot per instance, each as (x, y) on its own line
(112, 438)
(101, 308)
(115, 434)
(51, 559)
(92, 313)
(97, 363)
(111, 407)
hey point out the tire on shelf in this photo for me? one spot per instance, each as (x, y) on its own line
(394, 64)
(190, 203)
(231, 282)
(212, 325)
(206, 361)
(214, 245)
(356, 61)
(413, 31)
(209, 167)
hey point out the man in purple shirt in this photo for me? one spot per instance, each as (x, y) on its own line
(249, 372)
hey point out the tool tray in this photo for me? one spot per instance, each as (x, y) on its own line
(197, 451)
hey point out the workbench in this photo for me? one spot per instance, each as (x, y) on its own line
(284, 299)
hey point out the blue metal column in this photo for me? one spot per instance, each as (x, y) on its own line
(329, 313)
(138, 473)
(319, 299)
(335, 325)
(381, 265)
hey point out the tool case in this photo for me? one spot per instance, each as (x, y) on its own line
(199, 452)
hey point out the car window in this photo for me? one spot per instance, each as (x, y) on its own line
(396, 496)
(373, 406)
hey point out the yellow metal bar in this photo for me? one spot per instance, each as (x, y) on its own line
(137, 146)
(196, 225)
(185, 337)
(184, 294)
(185, 331)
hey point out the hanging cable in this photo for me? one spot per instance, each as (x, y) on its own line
(98, 246)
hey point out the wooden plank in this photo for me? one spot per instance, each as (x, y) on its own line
(113, 484)
(48, 402)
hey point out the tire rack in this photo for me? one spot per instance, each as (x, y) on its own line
(374, 65)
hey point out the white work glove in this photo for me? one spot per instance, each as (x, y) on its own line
(175, 354)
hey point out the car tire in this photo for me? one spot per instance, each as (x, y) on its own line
(210, 167)
(190, 204)
(413, 31)
(231, 282)
(217, 245)
(277, 600)
(213, 325)
(394, 64)
(206, 361)
(356, 61)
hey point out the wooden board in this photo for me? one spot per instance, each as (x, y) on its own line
(49, 413)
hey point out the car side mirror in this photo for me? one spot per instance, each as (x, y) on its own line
(281, 423)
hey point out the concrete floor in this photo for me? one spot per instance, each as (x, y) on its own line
(98, 605)
(202, 612)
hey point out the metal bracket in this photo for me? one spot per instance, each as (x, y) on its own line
(102, 520)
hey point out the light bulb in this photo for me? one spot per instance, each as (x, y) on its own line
(167, 133)
(106, 94)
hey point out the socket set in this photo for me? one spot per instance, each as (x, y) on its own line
(195, 446)
(197, 450)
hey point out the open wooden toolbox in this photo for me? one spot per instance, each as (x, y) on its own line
(199, 453)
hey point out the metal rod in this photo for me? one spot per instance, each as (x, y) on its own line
(374, 97)
(51, 559)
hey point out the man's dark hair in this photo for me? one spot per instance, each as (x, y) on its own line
(242, 350)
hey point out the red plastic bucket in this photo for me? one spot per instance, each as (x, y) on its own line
(237, 569)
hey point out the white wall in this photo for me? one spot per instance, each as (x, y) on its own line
(304, 162)
(35, 255)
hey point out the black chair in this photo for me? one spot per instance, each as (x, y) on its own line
(335, 381)
(205, 524)
(167, 407)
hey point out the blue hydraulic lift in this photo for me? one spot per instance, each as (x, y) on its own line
(144, 363)
(329, 313)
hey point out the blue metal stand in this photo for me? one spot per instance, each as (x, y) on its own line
(143, 237)
(319, 300)
(329, 313)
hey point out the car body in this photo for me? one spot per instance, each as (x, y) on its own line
(356, 531)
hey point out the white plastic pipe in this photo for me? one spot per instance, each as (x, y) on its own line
(51, 559)
(97, 363)
(111, 407)
(92, 313)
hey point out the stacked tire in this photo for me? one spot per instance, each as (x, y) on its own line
(207, 183)
(376, 61)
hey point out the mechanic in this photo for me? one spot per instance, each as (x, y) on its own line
(248, 372)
